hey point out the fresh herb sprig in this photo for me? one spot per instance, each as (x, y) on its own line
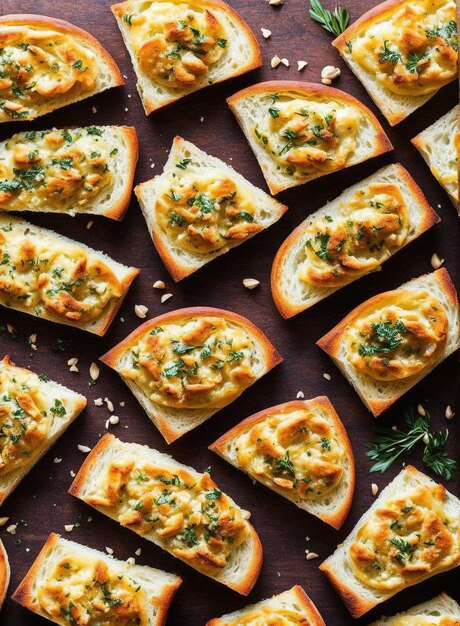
(391, 443)
(334, 22)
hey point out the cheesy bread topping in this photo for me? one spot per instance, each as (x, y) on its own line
(193, 363)
(423, 620)
(43, 274)
(411, 50)
(202, 214)
(175, 43)
(399, 338)
(406, 539)
(270, 616)
(84, 591)
(307, 135)
(187, 514)
(296, 450)
(55, 169)
(39, 64)
(370, 226)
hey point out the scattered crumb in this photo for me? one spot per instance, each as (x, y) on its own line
(108, 550)
(165, 297)
(266, 33)
(436, 261)
(131, 561)
(72, 473)
(251, 283)
(57, 460)
(275, 61)
(449, 413)
(141, 311)
(138, 552)
(420, 410)
(122, 319)
(301, 65)
(300, 394)
(94, 371)
(98, 401)
(327, 376)
(84, 449)
(89, 224)
(159, 284)
(94, 110)
(285, 61)
(69, 527)
(312, 555)
(374, 489)
(202, 118)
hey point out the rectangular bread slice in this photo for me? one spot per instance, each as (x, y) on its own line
(69, 582)
(34, 412)
(431, 613)
(173, 506)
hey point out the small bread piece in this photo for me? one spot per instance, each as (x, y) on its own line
(185, 365)
(349, 237)
(69, 583)
(390, 342)
(34, 412)
(69, 170)
(438, 146)
(47, 63)
(440, 611)
(200, 208)
(55, 278)
(175, 507)
(300, 131)
(179, 46)
(300, 450)
(403, 52)
(290, 607)
(409, 534)
(4, 573)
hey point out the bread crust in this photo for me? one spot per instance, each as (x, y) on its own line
(288, 308)
(382, 142)
(335, 518)
(442, 605)
(151, 105)
(119, 209)
(4, 573)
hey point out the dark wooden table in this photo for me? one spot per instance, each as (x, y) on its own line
(41, 503)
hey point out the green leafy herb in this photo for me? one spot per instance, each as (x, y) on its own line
(189, 537)
(183, 163)
(222, 43)
(388, 55)
(214, 494)
(282, 465)
(323, 240)
(93, 130)
(58, 408)
(78, 64)
(448, 32)
(384, 337)
(128, 19)
(175, 219)
(274, 112)
(43, 377)
(404, 547)
(334, 22)
(243, 215)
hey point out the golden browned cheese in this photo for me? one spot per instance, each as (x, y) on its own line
(369, 227)
(43, 274)
(184, 512)
(398, 337)
(411, 49)
(175, 42)
(406, 539)
(295, 450)
(192, 363)
(55, 169)
(422, 620)
(202, 214)
(84, 591)
(38, 64)
(271, 615)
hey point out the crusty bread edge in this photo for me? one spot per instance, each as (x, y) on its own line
(424, 609)
(335, 518)
(118, 211)
(5, 573)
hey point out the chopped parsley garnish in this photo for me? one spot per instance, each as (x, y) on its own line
(384, 337)
(274, 112)
(93, 130)
(58, 409)
(448, 32)
(189, 536)
(214, 494)
(78, 64)
(282, 465)
(183, 163)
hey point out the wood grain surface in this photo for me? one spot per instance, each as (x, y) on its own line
(41, 504)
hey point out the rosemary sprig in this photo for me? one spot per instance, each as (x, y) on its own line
(334, 21)
(391, 444)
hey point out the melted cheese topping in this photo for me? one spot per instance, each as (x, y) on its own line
(307, 135)
(270, 616)
(410, 50)
(406, 539)
(59, 169)
(38, 64)
(399, 338)
(42, 274)
(187, 515)
(295, 450)
(422, 620)
(202, 214)
(203, 362)
(83, 591)
(370, 226)
(175, 43)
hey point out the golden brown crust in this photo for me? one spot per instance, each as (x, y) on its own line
(339, 515)
(4, 573)
(118, 211)
(354, 603)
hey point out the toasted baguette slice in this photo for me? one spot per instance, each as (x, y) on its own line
(103, 157)
(189, 168)
(438, 517)
(442, 610)
(430, 300)
(65, 64)
(4, 573)
(48, 409)
(399, 196)
(174, 413)
(293, 604)
(275, 115)
(277, 428)
(92, 577)
(438, 146)
(74, 272)
(233, 559)
(378, 33)
(161, 37)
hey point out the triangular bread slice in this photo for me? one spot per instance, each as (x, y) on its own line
(4, 573)
(72, 66)
(94, 485)
(187, 165)
(283, 435)
(438, 610)
(181, 35)
(300, 131)
(292, 294)
(378, 394)
(174, 422)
